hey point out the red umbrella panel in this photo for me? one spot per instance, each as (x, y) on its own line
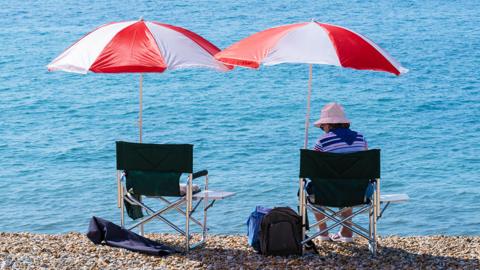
(310, 43)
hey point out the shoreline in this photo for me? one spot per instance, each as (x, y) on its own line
(74, 251)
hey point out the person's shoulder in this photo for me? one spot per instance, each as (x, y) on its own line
(361, 137)
(359, 134)
(327, 135)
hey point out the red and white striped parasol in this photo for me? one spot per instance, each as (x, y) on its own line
(138, 47)
(310, 43)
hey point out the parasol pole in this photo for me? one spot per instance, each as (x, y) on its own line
(140, 123)
(301, 197)
(140, 109)
(307, 117)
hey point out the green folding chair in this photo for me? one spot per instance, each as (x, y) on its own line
(343, 181)
(154, 170)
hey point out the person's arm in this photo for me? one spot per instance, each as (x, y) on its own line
(318, 146)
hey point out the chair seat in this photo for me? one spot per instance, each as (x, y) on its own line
(318, 205)
(386, 198)
(394, 198)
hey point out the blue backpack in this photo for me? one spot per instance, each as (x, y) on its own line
(253, 226)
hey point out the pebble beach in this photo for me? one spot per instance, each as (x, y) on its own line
(58, 129)
(75, 251)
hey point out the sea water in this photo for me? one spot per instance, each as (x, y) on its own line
(58, 130)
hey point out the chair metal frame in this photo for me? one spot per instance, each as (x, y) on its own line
(373, 208)
(185, 202)
(177, 204)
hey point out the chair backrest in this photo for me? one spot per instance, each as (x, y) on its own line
(340, 180)
(154, 169)
(155, 157)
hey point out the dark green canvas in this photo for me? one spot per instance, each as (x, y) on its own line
(134, 211)
(153, 169)
(340, 180)
(155, 157)
(363, 164)
(152, 183)
(339, 192)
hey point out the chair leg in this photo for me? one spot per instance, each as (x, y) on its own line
(122, 216)
(301, 206)
(122, 209)
(377, 202)
(203, 224)
(372, 243)
(187, 212)
(187, 230)
(205, 205)
(370, 228)
(120, 198)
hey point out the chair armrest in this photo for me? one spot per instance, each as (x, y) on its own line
(200, 174)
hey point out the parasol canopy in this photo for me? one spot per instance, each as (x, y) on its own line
(138, 47)
(310, 43)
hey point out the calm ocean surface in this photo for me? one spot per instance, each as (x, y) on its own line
(58, 130)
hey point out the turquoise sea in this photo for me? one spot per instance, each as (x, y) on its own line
(58, 130)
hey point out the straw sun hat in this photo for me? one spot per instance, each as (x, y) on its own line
(332, 113)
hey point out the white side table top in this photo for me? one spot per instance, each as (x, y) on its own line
(212, 195)
(394, 198)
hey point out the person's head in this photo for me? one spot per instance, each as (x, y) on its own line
(332, 116)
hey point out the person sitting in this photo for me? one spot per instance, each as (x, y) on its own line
(338, 138)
